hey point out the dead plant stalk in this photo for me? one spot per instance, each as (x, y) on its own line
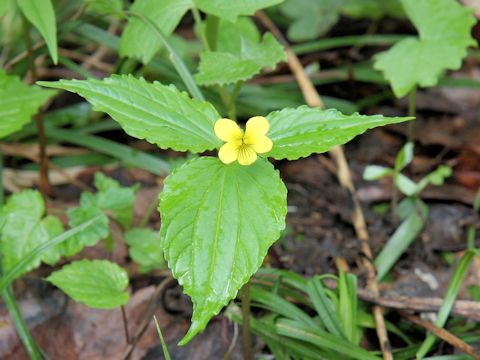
(313, 99)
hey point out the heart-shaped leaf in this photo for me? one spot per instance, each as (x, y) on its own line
(217, 229)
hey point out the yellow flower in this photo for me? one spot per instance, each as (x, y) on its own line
(243, 146)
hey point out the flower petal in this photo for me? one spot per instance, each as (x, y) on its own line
(228, 130)
(262, 145)
(246, 155)
(256, 126)
(228, 153)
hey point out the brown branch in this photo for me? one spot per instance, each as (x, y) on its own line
(443, 334)
(313, 99)
(464, 308)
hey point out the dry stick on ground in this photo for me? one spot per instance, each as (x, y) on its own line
(343, 173)
(465, 308)
(442, 334)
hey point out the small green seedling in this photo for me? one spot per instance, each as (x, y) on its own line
(411, 210)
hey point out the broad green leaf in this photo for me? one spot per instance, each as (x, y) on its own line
(302, 131)
(145, 249)
(230, 10)
(119, 201)
(139, 38)
(96, 283)
(375, 172)
(310, 19)
(444, 28)
(157, 113)
(217, 229)
(414, 220)
(226, 68)
(23, 227)
(42, 15)
(18, 103)
(21, 266)
(93, 234)
(231, 35)
(4, 4)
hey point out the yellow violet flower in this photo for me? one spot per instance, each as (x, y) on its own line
(240, 145)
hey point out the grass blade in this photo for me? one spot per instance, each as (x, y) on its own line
(124, 153)
(166, 353)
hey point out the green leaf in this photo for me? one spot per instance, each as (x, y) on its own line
(375, 172)
(18, 103)
(23, 228)
(230, 35)
(276, 304)
(404, 157)
(157, 113)
(217, 229)
(139, 39)
(324, 307)
(225, 68)
(310, 19)
(42, 16)
(302, 131)
(402, 237)
(145, 248)
(108, 7)
(96, 283)
(21, 267)
(298, 330)
(230, 10)
(405, 185)
(4, 6)
(120, 201)
(444, 28)
(93, 234)
(436, 177)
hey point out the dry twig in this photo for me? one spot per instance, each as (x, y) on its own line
(443, 334)
(313, 99)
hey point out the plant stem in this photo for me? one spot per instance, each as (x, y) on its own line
(148, 214)
(125, 324)
(174, 57)
(412, 104)
(212, 31)
(247, 341)
(394, 202)
(231, 108)
(22, 329)
(44, 182)
(201, 29)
